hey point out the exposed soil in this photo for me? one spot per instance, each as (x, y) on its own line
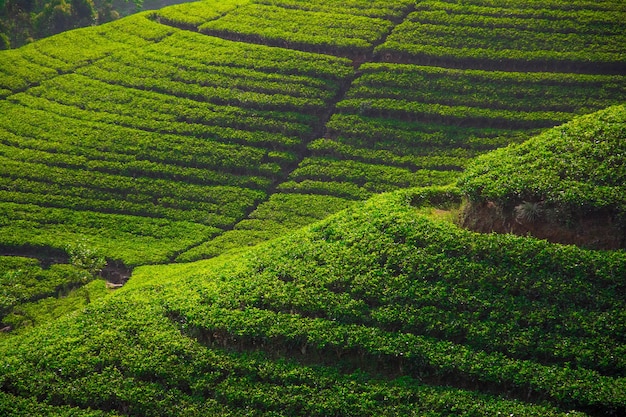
(597, 230)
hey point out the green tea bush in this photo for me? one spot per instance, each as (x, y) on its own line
(577, 166)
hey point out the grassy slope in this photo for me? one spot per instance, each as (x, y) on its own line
(371, 312)
(378, 311)
(565, 185)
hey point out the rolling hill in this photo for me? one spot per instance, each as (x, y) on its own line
(280, 176)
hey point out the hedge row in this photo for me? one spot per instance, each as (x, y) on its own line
(378, 8)
(327, 32)
(191, 15)
(515, 91)
(580, 37)
(284, 211)
(134, 240)
(204, 49)
(577, 167)
(65, 52)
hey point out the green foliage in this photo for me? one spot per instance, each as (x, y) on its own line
(377, 310)
(15, 406)
(67, 51)
(315, 26)
(574, 167)
(45, 310)
(23, 280)
(23, 21)
(160, 135)
(86, 258)
(150, 143)
(516, 36)
(294, 206)
(191, 15)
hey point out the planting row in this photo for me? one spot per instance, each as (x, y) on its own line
(387, 284)
(513, 91)
(105, 102)
(436, 159)
(487, 37)
(151, 64)
(191, 15)
(286, 210)
(600, 22)
(226, 89)
(160, 371)
(317, 31)
(551, 5)
(376, 8)
(478, 97)
(417, 138)
(134, 240)
(131, 151)
(196, 130)
(208, 50)
(349, 29)
(23, 279)
(33, 295)
(375, 178)
(45, 59)
(574, 168)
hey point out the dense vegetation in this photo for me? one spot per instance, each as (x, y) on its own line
(361, 314)
(23, 21)
(165, 143)
(201, 129)
(580, 165)
(528, 35)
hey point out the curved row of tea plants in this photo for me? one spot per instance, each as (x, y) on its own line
(406, 125)
(23, 279)
(478, 97)
(388, 284)
(309, 30)
(515, 91)
(389, 10)
(350, 29)
(488, 37)
(134, 240)
(45, 59)
(399, 122)
(292, 206)
(191, 15)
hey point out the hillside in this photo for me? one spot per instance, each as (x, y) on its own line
(379, 310)
(566, 185)
(168, 144)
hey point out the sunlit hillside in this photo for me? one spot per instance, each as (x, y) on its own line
(257, 207)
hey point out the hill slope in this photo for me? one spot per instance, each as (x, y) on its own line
(201, 129)
(114, 134)
(566, 184)
(379, 310)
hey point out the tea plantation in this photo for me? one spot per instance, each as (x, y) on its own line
(276, 184)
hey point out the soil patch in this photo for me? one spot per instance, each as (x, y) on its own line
(597, 230)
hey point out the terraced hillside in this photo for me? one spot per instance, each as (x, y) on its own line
(199, 130)
(379, 310)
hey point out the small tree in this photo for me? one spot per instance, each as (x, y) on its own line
(85, 258)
